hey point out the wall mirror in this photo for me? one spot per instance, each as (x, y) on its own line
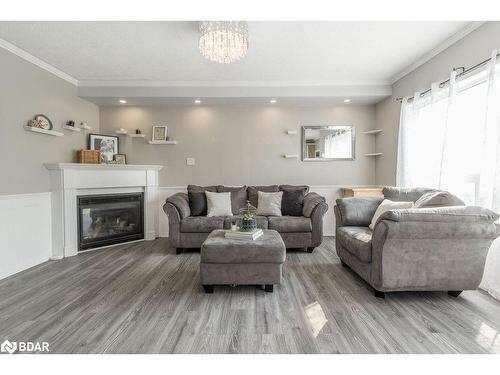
(324, 143)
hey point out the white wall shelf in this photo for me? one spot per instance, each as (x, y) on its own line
(162, 142)
(43, 131)
(85, 127)
(287, 156)
(374, 154)
(133, 135)
(374, 131)
(121, 132)
(291, 132)
(72, 128)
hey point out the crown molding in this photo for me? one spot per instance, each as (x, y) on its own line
(236, 84)
(438, 49)
(36, 61)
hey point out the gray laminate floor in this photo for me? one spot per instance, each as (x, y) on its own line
(142, 298)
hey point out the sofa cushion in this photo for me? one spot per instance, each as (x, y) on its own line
(357, 241)
(201, 224)
(262, 222)
(198, 199)
(253, 196)
(399, 194)
(438, 199)
(292, 202)
(358, 211)
(290, 224)
(238, 197)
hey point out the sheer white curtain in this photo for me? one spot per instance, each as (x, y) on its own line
(450, 139)
(338, 145)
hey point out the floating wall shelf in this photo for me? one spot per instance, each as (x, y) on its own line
(286, 156)
(291, 132)
(133, 135)
(374, 154)
(72, 128)
(121, 132)
(43, 131)
(86, 127)
(162, 142)
(374, 131)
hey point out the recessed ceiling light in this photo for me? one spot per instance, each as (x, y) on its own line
(272, 101)
(347, 100)
(197, 101)
(122, 101)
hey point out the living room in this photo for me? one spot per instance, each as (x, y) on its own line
(249, 187)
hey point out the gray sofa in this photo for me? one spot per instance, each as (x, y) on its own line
(424, 249)
(306, 231)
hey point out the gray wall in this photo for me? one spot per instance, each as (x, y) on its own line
(241, 144)
(472, 49)
(25, 91)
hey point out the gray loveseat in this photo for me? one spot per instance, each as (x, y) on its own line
(305, 231)
(423, 249)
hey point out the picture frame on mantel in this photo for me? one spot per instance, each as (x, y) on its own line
(108, 145)
(159, 134)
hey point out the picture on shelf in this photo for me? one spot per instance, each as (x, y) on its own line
(121, 158)
(159, 133)
(106, 144)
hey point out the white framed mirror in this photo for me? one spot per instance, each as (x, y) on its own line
(328, 142)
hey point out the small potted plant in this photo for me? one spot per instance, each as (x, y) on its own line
(248, 223)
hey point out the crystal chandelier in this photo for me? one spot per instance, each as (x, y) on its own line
(223, 41)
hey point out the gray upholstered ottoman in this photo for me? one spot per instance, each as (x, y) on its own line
(243, 262)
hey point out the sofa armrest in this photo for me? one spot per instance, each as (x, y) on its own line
(317, 222)
(357, 211)
(461, 214)
(311, 200)
(181, 202)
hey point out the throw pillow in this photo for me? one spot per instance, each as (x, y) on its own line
(198, 199)
(269, 204)
(218, 204)
(238, 197)
(388, 205)
(292, 202)
(253, 192)
(438, 199)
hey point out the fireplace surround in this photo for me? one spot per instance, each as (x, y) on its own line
(71, 181)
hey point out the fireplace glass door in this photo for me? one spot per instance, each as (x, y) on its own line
(109, 219)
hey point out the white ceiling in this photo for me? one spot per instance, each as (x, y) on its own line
(281, 54)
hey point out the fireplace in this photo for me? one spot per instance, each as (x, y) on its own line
(109, 219)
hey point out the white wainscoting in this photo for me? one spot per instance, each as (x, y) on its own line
(25, 231)
(330, 192)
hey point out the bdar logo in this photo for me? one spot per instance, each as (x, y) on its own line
(8, 347)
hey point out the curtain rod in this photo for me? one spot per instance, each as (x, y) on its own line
(463, 72)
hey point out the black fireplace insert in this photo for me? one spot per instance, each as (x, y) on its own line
(109, 219)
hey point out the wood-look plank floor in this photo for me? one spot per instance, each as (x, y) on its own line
(142, 298)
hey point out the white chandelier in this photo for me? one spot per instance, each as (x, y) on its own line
(223, 41)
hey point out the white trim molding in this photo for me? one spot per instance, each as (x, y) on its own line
(36, 61)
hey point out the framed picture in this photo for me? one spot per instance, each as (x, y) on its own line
(121, 158)
(159, 133)
(107, 144)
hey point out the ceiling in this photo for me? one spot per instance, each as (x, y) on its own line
(154, 59)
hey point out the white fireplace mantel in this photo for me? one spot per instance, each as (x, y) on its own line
(70, 180)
